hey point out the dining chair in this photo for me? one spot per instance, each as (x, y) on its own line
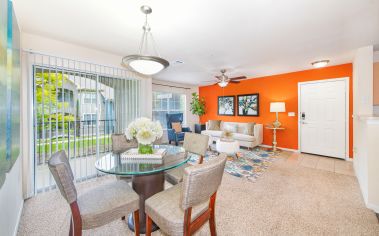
(185, 207)
(96, 207)
(193, 143)
(121, 144)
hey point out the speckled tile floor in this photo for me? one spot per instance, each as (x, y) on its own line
(299, 194)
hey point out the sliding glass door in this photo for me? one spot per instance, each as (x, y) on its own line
(77, 110)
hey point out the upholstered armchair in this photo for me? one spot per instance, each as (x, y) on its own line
(172, 135)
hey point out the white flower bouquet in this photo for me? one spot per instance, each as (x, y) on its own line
(145, 131)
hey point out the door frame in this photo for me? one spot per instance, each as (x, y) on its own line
(347, 111)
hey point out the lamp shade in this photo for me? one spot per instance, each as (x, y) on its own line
(277, 107)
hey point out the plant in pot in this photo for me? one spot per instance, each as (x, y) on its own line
(197, 105)
(145, 131)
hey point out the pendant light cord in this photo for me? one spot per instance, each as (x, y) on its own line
(143, 48)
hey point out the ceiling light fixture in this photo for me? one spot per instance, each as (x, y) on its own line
(319, 64)
(144, 62)
(223, 83)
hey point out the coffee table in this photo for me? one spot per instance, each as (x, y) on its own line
(230, 147)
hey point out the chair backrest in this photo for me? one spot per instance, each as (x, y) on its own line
(196, 143)
(59, 166)
(171, 118)
(120, 143)
(201, 181)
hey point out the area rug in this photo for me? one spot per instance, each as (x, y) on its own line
(250, 164)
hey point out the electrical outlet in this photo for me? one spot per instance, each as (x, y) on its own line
(291, 114)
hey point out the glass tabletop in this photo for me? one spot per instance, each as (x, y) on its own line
(113, 163)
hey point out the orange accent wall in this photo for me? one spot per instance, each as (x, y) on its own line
(282, 87)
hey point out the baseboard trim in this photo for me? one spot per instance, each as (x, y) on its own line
(281, 148)
(373, 207)
(18, 219)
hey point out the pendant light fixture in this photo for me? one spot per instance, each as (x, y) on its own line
(144, 62)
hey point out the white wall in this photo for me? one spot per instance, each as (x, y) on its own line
(11, 200)
(366, 128)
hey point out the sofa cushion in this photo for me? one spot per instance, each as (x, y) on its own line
(246, 128)
(214, 124)
(243, 137)
(228, 126)
(213, 133)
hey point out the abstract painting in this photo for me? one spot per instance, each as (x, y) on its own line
(248, 104)
(226, 105)
(10, 76)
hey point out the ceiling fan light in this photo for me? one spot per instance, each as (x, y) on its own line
(319, 64)
(223, 84)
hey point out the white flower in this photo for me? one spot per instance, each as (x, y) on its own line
(144, 130)
(145, 136)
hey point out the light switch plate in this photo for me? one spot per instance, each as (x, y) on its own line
(291, 114)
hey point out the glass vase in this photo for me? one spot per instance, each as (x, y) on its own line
(145, 148)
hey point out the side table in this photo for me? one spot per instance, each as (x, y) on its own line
(274, 142)
(199, 128)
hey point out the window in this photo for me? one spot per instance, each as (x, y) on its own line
(89, 97)
(66, 95)
(168, 103)
(89, 118)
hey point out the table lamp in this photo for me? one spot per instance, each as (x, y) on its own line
(277, 107)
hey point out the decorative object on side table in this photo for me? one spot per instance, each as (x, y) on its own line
(145, 132)
(274, 142)
(227, 136)
(226, 105)
(248, 104)
(277, 107)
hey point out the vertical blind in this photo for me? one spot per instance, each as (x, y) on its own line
(77, 106)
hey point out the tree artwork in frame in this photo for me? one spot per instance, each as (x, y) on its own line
(226, 105)
(248, 104)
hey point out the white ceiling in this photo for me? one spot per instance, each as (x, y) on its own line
(248, 37)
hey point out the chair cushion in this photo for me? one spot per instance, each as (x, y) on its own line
(175, 175)
(176, 126)
(180, 136)
(106, 203)
(214, 124)
(243, 137)
(164, 209)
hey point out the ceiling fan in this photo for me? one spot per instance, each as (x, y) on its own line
(223, 80)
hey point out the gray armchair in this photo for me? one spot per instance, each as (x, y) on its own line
(98, 206)
(184, 208)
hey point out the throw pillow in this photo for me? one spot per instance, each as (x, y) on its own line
(246, 128)
(177, 127)
(214, 124)
(231, 127)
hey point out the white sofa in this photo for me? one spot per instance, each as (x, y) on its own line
(243, 139)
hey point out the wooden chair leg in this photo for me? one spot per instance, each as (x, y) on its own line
(212, 221)
(76, 219)
(148, 225)
(201, 159)
(136, 223)
(187, 222)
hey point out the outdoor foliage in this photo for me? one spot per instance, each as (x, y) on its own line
(48, 107)
(197, 105)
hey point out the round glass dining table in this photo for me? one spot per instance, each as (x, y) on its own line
(147, 175)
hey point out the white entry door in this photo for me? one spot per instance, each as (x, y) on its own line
(323, 117)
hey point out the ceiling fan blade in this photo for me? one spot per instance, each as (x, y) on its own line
(238, 78)
(234, 81)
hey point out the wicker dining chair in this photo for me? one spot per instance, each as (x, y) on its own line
(96, 207)
(185, 207)
(193, 143)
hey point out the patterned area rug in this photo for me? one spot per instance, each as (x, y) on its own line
(246, 164)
